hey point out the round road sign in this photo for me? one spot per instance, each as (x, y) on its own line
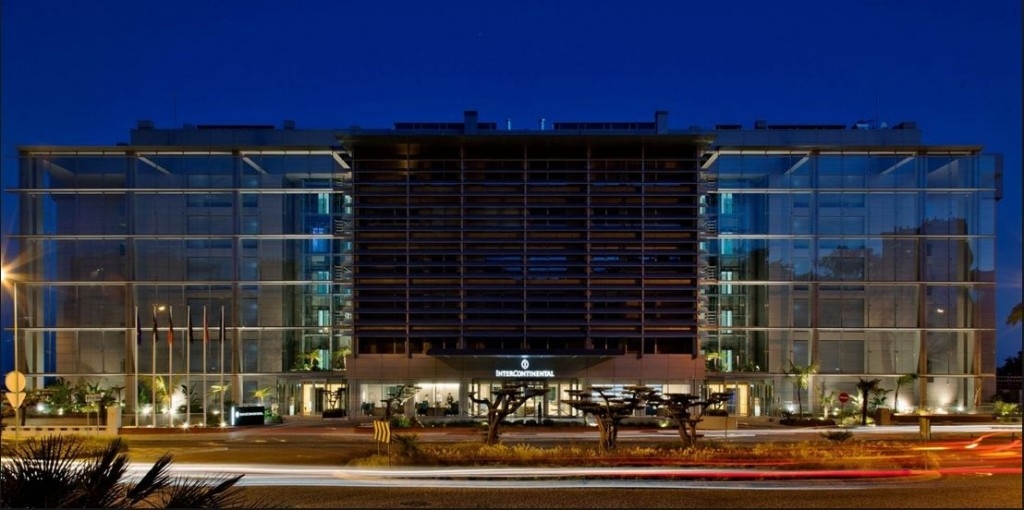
(843, 397)
(15, 381)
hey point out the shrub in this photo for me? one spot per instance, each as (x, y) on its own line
(837, 436)
(807, 422)
(408, 444)
(400, 421)
(1005, 409)
(335, 413)
(853, 421)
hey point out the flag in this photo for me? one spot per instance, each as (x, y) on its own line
(155, 327)
(170, 328)
(206, 328)
(191, 334)
(138, 327)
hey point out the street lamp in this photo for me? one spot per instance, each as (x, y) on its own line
(6, 277)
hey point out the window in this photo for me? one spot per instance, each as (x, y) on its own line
(726, 288)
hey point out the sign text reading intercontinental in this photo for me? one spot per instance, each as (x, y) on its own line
(524, 373)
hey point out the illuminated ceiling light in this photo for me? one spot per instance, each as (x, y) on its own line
(707, 164)
(341, 162)
(893, 168)
(159, 168)
(253, 164)
(796, 165)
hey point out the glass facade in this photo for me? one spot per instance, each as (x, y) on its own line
(154, 269)
(313, 270)
(866, 263)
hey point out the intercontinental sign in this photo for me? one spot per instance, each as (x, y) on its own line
(524, 371)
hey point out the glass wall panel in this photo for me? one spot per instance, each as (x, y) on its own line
(841, 352)
(891, 306)
(889, 171)
(162, 259)
(892, 352)
(947, 352)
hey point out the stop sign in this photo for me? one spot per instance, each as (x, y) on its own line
(843, 397)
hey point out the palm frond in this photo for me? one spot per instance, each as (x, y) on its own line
(62, 472)
(156, 479)
(1016, 315)
(101, 485)
(199, 493)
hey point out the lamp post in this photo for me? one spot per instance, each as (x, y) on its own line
(5, 276)
(15, 377)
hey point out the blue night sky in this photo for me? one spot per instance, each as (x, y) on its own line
(82, 73)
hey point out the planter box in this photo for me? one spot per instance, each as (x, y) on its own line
(60, 421)
(718, 423)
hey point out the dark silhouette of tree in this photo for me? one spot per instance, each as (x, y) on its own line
(609, 407)
(1016, 315)
(1012, 366)
(397, 399)
(687, 410)
(844, 264)
(506, 400)
(866, 388)
(61, 472)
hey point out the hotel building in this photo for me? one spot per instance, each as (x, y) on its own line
(322, 269)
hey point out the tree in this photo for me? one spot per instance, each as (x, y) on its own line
(687, 410)
(193, 401)
(1016, 315)
(835, 265)
(1012, 366)
(801, 376)
(866, 388)
(397, 399)
(339, 359)
(827, 400)
(878, 398)
(900, 382)
(61, 472)
(219, 391)
(262, 394)
(506, 400)
(609, 407)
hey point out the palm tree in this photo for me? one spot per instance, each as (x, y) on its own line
(801, 376)
(340, 358)
(61, 472)
(262, 393)
(900, 381)
(219, 392)
(866, 388)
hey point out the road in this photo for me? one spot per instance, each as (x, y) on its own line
(998, 491)
(303, 467)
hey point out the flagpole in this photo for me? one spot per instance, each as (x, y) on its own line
(188, 367)
(170, 365)
(222, 335)
(153, 366)
(206, 342)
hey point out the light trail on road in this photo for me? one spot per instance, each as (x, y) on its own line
(960, 458)
(535, 478)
